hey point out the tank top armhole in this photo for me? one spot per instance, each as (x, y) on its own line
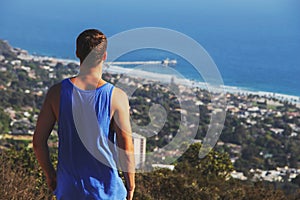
(110, 102)
(61, 92)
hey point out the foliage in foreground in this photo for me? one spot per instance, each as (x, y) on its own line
(21, 178)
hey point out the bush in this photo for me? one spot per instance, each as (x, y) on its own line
(20, 176)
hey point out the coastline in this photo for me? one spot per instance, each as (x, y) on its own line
(166, 78)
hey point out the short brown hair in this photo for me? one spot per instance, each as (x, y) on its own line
(88, 41)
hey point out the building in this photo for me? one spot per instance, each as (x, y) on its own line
(139, 143)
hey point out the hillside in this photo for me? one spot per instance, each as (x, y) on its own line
(260, 135)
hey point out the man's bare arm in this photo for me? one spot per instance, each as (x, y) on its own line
(124, 138)
(44, 126)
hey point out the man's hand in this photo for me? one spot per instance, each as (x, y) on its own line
(130, 195)
(51, 181)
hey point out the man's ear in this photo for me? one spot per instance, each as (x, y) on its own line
(104, 56)
(76, 53)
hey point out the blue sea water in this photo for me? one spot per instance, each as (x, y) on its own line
(254, 43)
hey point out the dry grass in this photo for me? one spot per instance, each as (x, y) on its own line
(20, 177)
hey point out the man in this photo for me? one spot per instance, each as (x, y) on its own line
(93, 128)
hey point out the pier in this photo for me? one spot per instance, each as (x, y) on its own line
(165, 62)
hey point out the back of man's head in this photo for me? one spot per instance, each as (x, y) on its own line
(91, 43)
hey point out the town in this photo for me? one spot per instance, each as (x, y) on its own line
(260, 133)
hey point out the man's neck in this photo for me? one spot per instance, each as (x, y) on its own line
(94, 70)
(89, 78)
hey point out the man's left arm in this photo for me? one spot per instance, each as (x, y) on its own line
(124, 139)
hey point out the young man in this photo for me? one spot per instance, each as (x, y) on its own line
(93, 128)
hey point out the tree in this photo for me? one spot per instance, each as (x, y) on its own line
(215, 164)
(4, 122)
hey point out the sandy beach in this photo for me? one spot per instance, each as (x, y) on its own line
(175, 77)
(166, 78)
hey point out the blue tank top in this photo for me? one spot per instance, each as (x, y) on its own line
(87, 154)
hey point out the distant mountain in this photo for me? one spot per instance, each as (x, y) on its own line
(6, 50)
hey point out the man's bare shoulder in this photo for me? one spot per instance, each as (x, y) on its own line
(119, 94)
(119, 98)
(54, 91)
(52, 100)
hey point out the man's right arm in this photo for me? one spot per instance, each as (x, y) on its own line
(44, 126)
(122, 127)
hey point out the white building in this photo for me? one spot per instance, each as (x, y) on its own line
(139, 143)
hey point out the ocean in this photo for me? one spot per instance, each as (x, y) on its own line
(255, 44)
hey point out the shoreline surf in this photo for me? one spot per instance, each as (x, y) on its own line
(166, 78)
